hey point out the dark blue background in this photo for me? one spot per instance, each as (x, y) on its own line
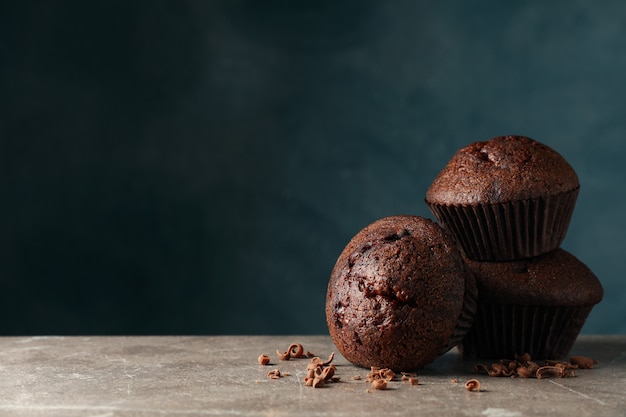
(197, 167)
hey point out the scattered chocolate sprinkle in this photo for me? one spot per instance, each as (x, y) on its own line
(454, 381)
(472, 385)
(356, 378)
(264, 359)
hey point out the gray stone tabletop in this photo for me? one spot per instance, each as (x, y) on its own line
(220, 375)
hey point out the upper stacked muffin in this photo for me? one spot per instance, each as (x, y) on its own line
(507, 198)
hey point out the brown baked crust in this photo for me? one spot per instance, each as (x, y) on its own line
(396, 293)
(555, 279)
(500, 170)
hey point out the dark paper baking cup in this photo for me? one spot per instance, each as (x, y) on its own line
(509, 231)
(501, 331)
(466, 318)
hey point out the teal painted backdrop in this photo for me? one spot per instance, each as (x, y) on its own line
(197, 167)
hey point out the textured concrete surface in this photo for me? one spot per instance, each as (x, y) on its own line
(206, 376)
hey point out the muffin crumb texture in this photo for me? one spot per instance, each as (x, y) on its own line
(396, 294)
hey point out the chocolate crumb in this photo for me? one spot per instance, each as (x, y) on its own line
(263, 359)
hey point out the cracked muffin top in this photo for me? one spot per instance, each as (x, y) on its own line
(396, 294)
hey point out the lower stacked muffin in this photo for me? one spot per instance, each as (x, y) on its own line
(536, 306)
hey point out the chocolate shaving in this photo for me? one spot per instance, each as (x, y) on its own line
(472, 385)
(317, 360)
(318, 382)
(379, 384)
(317, 373)
(274, 374)
(500, 369)
(380, 373)
(295, 350)
(550, 371)
(522, 366)
(583, 362)
(410, 377)
(524, 372)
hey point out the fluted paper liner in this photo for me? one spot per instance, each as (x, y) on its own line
(466, 318)
(501, 331)
(509, 231)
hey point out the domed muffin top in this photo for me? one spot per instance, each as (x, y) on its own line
(557, 279)
(396, 294)
(500, 170)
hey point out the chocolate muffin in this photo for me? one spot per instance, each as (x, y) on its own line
(535, 305)
(505, 199)
(399, 295)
